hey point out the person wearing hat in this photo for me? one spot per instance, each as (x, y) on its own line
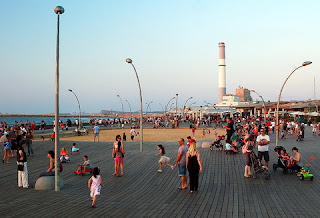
(190, 140)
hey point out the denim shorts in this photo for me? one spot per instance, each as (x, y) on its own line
(182, 169)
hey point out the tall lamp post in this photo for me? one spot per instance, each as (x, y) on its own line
(58, 10)
(121, 106)
(148, 106)
(70, 90)
(184, 106)
(129, 61)
(264, 105)
(166, 108)
(277, 113)
(176, 105)
(161, 107)
(129, 107)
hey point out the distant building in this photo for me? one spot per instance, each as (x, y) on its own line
(229, 100)
(244, 94)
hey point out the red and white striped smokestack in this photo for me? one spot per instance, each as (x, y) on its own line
(222, 72)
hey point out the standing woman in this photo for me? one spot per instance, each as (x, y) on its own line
(194, 166)
(247, 149)
(22, 166)
(29, 138)
(118, 154)
(50, 171)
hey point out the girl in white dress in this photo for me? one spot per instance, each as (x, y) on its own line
(94, 184)
(163, 159)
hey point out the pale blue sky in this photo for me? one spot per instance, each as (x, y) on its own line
(173, 44)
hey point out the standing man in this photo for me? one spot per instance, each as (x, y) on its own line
(96, 130)
(181, 163)
(263, 141)
(229, 128)
(132, 133)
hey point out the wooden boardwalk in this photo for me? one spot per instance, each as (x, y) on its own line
(143, 192)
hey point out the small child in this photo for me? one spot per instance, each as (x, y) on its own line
(137, 136)
(86, 165)
(64, 157)
(230, 147)
(53, 136)
(75, 149)
(163, 159)
(94, 184)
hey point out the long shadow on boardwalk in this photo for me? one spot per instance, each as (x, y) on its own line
(143, 192)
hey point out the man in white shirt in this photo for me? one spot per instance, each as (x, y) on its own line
(132, 133)
(263, 141)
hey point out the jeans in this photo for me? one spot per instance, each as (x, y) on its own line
(30, 149)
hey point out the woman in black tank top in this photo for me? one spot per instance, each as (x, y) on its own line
(194, 166)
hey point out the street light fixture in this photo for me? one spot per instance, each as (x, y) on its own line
(166, 108)
(122, 107)
(70, 90)
(176, 105)
(129, 107)
(277, 121)
(129, 61)
(161, 107)
(184, 106)
(264, 105)
(58, 10)
(148, 106)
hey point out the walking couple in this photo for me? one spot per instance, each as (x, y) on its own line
(188, 158)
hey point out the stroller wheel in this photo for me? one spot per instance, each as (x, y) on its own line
(301, 177)
(285, 170)
(274, 167)
(267, 176)
(292, 171)
(311, 178)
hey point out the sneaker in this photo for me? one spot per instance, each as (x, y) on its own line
(93, 206)
(160, 171)
(172, 167)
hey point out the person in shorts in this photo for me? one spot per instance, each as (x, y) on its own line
(263, 141)
(96, 130)
(181, 163)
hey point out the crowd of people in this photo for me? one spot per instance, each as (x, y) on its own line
(251, 131)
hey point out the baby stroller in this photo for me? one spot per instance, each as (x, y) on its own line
(284, 161)
(217, 143)
(258, 167)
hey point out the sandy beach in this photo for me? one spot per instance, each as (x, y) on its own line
(149, 134)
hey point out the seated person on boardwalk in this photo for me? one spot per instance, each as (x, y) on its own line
(230, 147)
(64, 157)
(50, 171)
(75, 149)
(297, 158)
(85, 167)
